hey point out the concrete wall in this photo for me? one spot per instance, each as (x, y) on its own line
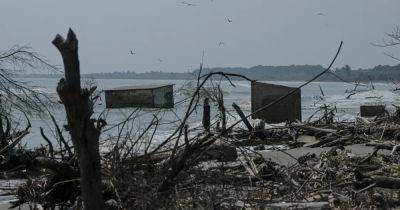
(148, 98)
(163, 97)
(129, 98)
(288, 109)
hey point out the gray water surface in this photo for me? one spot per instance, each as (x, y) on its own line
(334, 95)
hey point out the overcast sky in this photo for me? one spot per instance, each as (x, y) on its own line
(169, 36)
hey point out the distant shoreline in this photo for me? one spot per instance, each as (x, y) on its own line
(44, 77)
(261, 73)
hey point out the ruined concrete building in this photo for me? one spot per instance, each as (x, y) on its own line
(262, 94)
(146, 96)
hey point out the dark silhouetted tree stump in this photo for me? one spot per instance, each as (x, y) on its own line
(84, 134)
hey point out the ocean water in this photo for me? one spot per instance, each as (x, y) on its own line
(335, 94)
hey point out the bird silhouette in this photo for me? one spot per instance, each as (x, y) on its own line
(229, 20)
(132, 53)
(160, 60)
(320, 14)
(221, 44)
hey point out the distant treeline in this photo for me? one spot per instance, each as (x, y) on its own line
(271, 73)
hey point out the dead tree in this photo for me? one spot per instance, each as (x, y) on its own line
(84, 134)
(393, 39)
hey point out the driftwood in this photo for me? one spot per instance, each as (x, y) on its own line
(377, 181)
(340, 141)
(316, 129)
(242, 116)
(331, 140)
(323, 141)
(386, 182)
(309, 205)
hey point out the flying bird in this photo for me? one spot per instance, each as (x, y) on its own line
(229, 20)
(188, 4)
(132, 53)
(320, 14)
(160, 60)
(221, 44)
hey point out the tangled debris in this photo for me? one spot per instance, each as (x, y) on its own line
(225, 173)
